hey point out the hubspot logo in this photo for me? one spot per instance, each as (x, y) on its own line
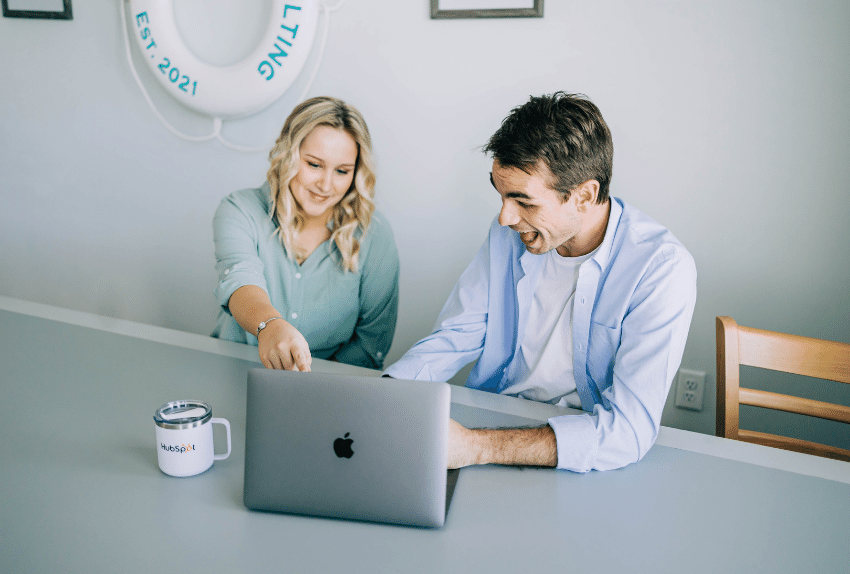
(181, 448)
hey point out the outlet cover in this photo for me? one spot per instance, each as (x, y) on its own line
(690, 388)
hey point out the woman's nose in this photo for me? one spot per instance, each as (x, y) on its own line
(325, 181)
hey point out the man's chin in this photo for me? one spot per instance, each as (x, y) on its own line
(536, 250)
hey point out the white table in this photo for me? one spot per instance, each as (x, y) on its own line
(81, 490)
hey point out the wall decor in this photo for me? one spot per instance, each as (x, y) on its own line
(486, 9)
(49, 9)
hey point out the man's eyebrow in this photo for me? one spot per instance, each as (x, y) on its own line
(510, 194)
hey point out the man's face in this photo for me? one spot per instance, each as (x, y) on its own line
(534, 210)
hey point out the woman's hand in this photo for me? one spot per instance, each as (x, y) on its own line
(282, 346)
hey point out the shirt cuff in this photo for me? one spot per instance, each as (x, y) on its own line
(409, 370)
(234, 277)
(576, 440)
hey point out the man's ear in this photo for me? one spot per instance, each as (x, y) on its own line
(586, 194)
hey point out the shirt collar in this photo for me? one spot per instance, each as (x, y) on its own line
(603, 252)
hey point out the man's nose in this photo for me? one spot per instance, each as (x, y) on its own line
(508, 215)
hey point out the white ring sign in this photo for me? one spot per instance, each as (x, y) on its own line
(226, 92)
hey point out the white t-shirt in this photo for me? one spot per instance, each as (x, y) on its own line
(546, 372)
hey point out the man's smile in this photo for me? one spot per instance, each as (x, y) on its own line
(527, 237)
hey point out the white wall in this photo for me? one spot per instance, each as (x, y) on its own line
(730, 122)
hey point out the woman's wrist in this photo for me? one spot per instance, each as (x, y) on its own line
(264, 324)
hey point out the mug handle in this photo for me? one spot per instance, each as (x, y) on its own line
(226, 426)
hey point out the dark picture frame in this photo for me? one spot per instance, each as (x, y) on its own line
(536, 11)
(65, 14)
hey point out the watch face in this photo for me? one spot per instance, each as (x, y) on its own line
(263, 324)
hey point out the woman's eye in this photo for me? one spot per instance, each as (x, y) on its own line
(342, 171)
(313, 165)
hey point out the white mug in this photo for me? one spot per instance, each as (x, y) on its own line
(184, 437)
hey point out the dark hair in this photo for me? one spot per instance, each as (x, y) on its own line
(566, 132)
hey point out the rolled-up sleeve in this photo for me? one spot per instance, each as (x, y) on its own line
(235, 234)
(624, 425)
(376, 323)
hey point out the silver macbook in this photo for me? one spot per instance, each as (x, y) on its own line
(360, 448)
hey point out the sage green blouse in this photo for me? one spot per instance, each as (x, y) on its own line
(343, 315)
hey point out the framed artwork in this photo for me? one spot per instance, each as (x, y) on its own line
(486, 9)
(49, 9)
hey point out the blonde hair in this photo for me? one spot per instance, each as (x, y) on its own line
(355, 208)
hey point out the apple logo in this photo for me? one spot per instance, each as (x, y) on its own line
(342, 447)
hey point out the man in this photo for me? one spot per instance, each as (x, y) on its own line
(575, 299)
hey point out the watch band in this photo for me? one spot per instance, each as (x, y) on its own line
(264, 324)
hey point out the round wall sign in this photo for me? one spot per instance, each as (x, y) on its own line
(226, 92)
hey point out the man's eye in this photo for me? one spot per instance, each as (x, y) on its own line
(523, 205)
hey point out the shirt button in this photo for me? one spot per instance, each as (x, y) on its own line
(582, 300)
(380, 354)
(295, 315)
(298, 276)
(227, 271)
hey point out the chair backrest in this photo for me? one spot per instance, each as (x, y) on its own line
(738, 345)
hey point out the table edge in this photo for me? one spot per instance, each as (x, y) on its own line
(669, 437)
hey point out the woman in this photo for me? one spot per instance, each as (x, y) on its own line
(307, 267)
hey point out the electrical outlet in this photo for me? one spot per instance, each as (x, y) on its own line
(690, 387)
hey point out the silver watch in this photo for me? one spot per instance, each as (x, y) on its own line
(264, 324)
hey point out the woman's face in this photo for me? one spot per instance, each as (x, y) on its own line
(328, 158)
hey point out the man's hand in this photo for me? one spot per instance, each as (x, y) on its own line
(529, 447)
(282, 346)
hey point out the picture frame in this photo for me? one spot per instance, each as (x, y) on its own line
(444, 9)
(37, 9)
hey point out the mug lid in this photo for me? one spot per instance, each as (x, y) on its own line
(182, 414)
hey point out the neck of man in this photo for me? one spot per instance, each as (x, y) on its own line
(592, 232)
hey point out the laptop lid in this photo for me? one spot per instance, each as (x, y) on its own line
(354, 447)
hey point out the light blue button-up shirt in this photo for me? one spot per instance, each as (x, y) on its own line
(632, 310)
(344, 315)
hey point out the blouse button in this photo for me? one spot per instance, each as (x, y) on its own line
(298, 276)
(295, 315)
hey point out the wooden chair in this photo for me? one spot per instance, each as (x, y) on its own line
(738, 345)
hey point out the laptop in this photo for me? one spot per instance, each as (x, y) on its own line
(352, 447)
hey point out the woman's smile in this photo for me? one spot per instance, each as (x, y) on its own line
(318, 198)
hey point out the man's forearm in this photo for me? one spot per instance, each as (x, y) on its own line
(528, 447)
